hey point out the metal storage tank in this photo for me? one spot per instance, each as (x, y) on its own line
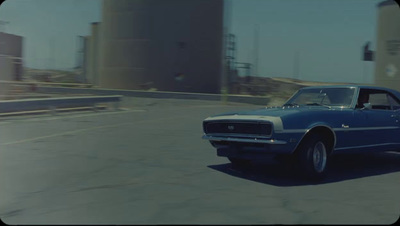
(88, 60)
(91, 55)
(387, 58)
(11, 45)
(169, 45)
(6, 74)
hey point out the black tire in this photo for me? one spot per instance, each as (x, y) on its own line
(312, 157)
(239, 162)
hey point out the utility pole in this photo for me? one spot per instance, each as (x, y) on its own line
(256, 47)
(296, 65)
(51, 53)
(365, 72)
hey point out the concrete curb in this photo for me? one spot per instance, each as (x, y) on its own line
(42, 105)
(157, 94)
(54, 103)
(41, 112)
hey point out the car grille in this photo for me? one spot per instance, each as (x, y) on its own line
(255, 128)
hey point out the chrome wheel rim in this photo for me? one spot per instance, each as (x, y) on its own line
(319, 157)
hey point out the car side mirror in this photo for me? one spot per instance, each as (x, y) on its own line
(367, 106)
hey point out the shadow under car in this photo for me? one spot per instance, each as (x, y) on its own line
(341, 167)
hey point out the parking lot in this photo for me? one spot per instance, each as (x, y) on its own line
(147, 164)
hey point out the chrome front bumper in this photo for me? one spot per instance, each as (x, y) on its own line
(244, 140)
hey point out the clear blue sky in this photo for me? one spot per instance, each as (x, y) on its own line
(47, 23)
(326, 34)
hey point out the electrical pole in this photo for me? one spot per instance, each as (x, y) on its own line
(51, 54)
(256, 47)
(296, 65)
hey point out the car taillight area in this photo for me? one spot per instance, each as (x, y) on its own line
(252, 128)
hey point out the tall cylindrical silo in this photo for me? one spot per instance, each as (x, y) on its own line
(92, 55)
(170, 45)
(89, 60)
(6, 74)
(387, 57)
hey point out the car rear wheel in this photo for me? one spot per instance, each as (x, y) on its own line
(313, 157)
(239, 162)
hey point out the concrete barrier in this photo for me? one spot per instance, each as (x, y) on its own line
(54, 103)
(157, 94)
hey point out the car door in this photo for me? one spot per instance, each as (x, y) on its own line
(395, 115)
(377, 126)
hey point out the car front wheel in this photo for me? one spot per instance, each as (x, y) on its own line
(313, 157)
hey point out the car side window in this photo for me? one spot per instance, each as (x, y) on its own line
(363, 98)
(379, 101)
(394, 102)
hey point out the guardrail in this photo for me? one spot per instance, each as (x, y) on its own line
(258, 100)
(35, 83)
(79, 88)
(53, 103)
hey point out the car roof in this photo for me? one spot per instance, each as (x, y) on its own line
(395, 92)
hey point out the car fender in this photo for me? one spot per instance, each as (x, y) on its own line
(314, 126)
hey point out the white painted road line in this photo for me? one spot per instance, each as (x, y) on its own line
(50, 118)
(86, 129)
(83, 115)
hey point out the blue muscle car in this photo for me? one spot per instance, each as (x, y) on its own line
(313, 124)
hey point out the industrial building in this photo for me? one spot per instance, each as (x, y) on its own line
(185, 46)
(11, 68)
(173, 45)
(11, 50)
(387, 55)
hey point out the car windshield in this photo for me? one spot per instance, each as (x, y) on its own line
(330, 97)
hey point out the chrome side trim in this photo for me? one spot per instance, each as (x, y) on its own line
(366, 128)
(368, 146)
(339, 129)
(245, 140)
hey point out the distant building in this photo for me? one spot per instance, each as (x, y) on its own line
(11, 67)
(387, 55)
(11, 57)
(91, 57)
(168, 45)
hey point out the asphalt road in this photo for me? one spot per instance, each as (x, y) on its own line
(147, 164)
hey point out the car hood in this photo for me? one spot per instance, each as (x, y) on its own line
(276, 111)
(298, 117)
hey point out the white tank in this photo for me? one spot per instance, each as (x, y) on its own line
(387, 55)
(169, 45)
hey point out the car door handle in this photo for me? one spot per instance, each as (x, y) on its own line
(394, 116)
